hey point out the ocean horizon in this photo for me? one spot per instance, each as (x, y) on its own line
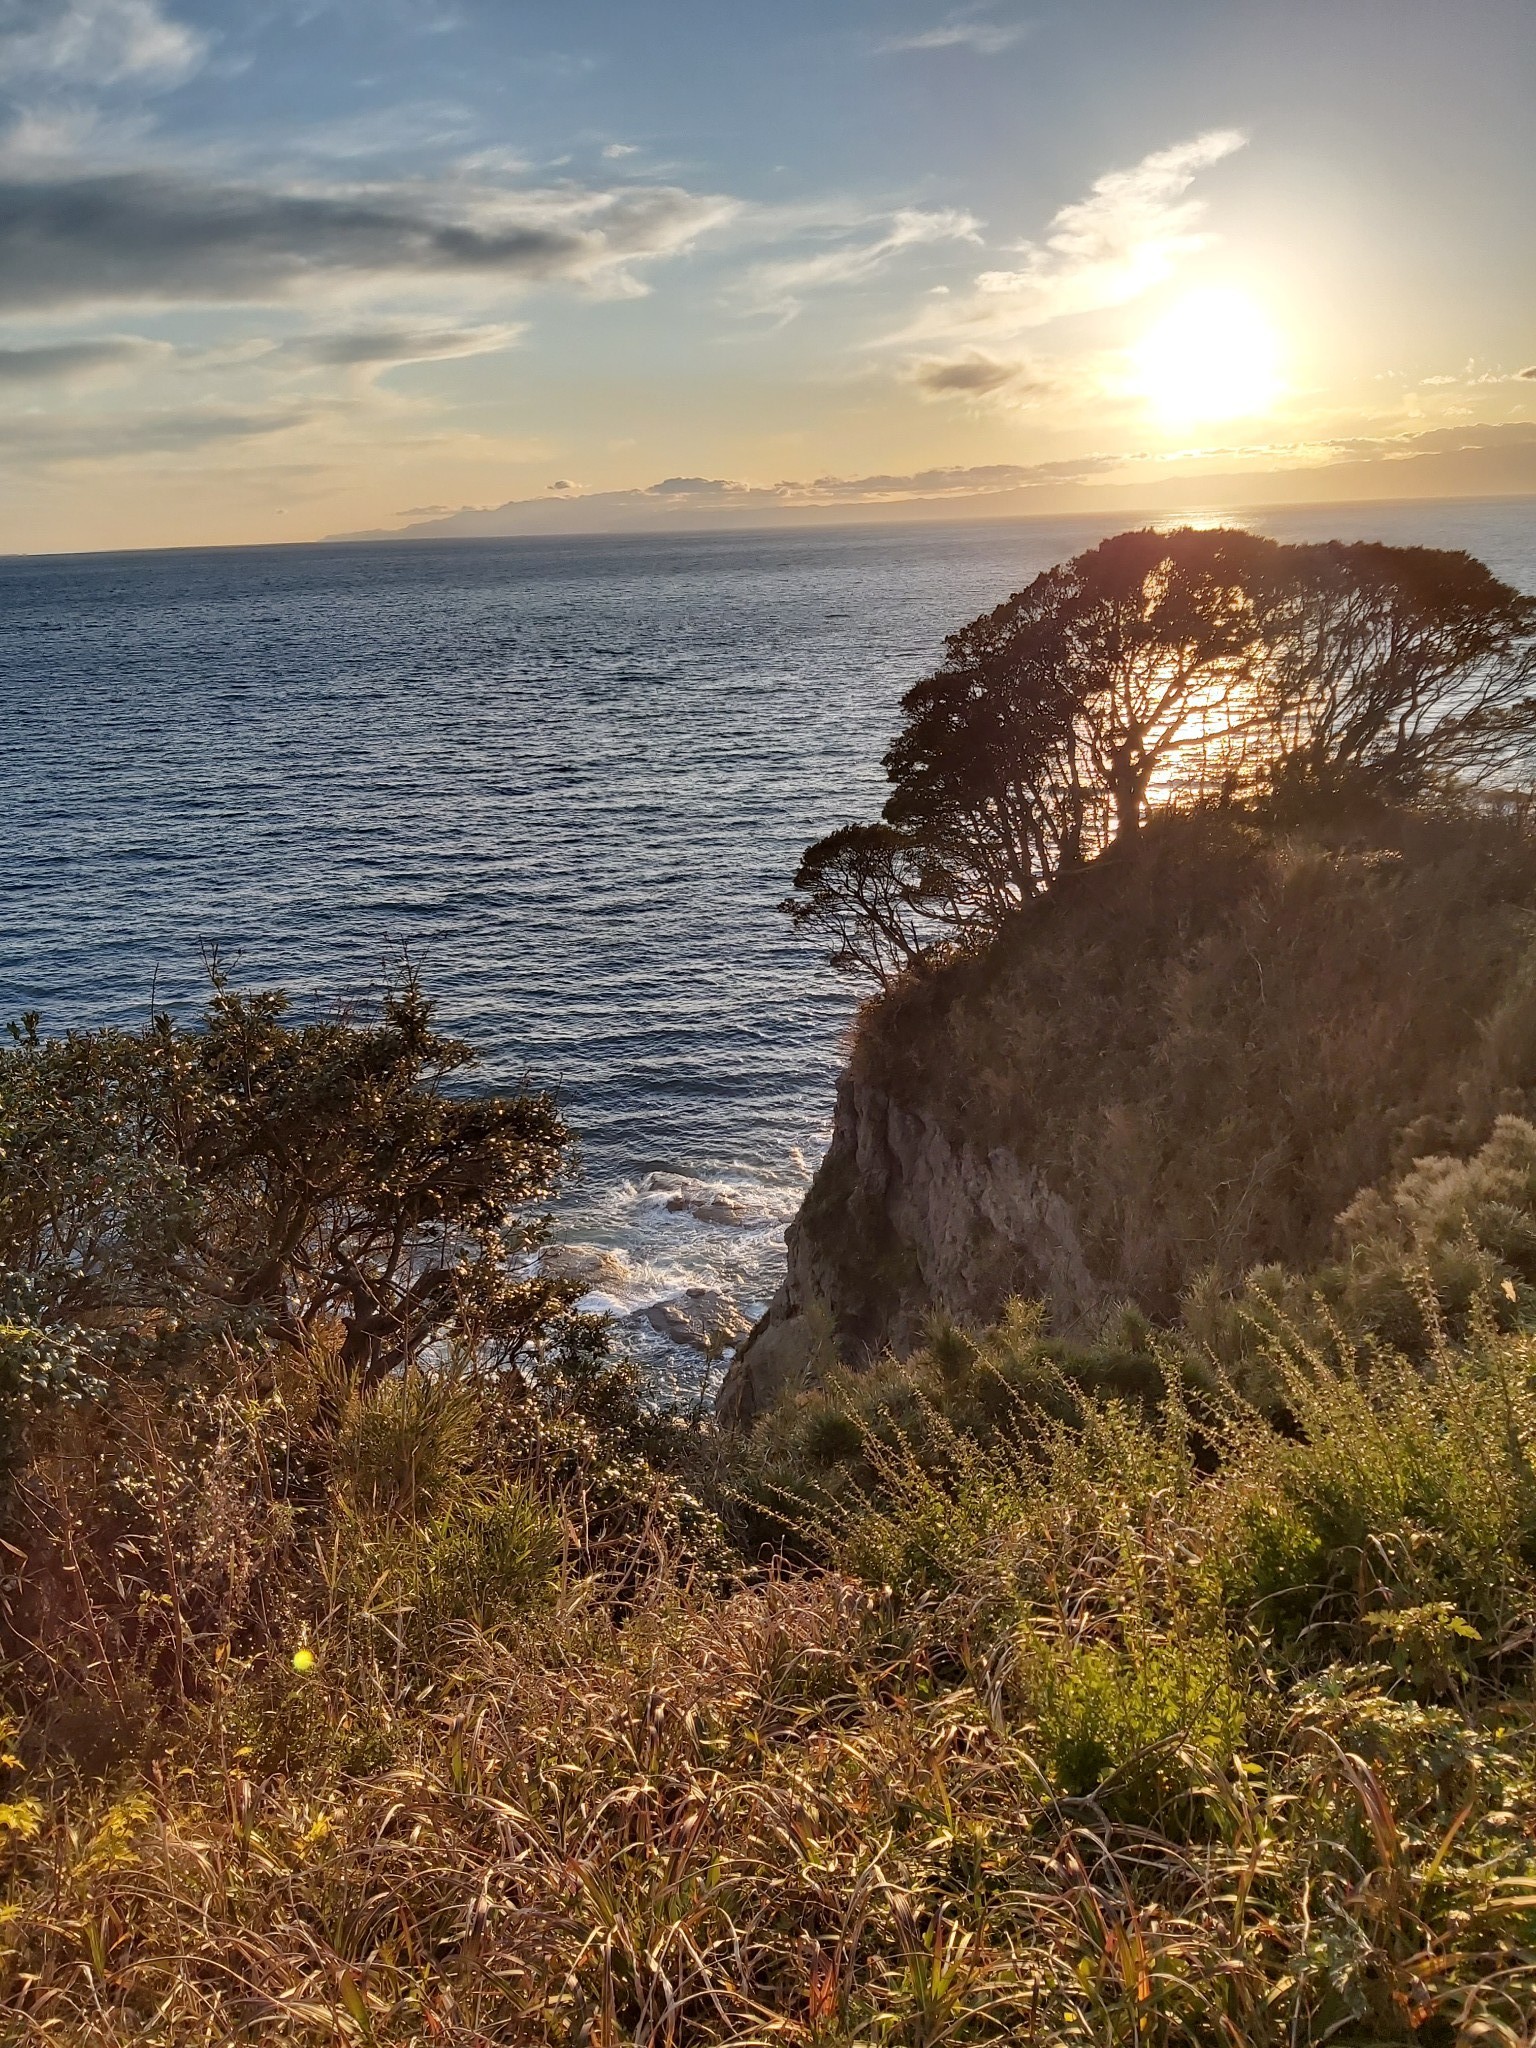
(570, 776)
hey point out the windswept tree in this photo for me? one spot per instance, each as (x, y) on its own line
(1394, 669)
(987, 773)
(1165, 670)
(862, 889)
(1157, 640)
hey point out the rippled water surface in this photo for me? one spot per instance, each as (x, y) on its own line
(573, 776)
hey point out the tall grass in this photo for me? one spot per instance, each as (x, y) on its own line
(1120, 1722)
(1170, 1687)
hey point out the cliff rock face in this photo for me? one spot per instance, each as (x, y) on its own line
(1187, 1064)
(902, 1219)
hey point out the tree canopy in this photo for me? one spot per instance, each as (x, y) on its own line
(167, 1188)
(1165, 670)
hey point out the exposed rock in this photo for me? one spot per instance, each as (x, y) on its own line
(698, 1319)
(901, 1220)
(714, 1207)
(590, 1265)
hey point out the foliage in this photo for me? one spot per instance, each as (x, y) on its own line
(1076, 1697)
(1170, 671)
(169, 1188)
(1033, 1754)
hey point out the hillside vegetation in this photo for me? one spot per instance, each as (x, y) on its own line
(1086, 1701)
(379, 1668)
(1212, 1049)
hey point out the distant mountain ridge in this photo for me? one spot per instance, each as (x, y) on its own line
(1470, 462)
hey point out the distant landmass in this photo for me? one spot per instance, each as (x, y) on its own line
(1448, 462)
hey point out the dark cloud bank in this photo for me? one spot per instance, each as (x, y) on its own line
(136, 237)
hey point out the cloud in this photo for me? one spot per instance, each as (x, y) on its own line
(677, 501)
(58, 362)
(976, 374)
(43, 439)
(1124, 238)
(963, 32)
(1471, 439)
(1457, 462)
(1531, 372)
(96, 42)
(381, 347)
(139, 237)
(780, 287)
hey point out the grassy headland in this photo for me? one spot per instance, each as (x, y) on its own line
(379, 1670)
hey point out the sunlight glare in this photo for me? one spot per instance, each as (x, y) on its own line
(1214, 356)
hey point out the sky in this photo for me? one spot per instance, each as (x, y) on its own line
(307, 267)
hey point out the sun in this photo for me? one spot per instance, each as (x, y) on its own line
(1213, 356)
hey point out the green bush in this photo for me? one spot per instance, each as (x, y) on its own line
(404, 1445)
(1140, 1724)
(1401, 1489)
(490, 1560)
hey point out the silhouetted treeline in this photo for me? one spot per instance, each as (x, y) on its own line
(1171, 670)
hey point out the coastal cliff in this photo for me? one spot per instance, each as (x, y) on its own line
(1186, 1066)
(904, 1217)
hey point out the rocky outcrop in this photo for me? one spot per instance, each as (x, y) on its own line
(902, 1219)
(698, 1319)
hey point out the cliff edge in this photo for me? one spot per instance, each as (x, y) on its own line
(1184, 1063)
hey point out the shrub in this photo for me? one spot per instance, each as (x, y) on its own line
(1141, 1724)
(1402, 1493)
(404, 1445)
(489, 1560)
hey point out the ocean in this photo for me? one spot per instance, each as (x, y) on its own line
(572, 777)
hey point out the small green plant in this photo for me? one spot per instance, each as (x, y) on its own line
(1138, 1724)
(490, 1560)
(404, 1445)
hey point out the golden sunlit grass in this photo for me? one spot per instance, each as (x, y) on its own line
(1038, 1754)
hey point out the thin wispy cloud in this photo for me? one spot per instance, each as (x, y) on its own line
(147, 238)
(1124, 238)
(69, 361)
(96, 43)
(46, 440)
(976, 375)
(781, 287)
(984, 37)
(382, 348)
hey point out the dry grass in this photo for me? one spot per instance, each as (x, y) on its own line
(1211, 1051)
(760, 1821)
(1037, 1754)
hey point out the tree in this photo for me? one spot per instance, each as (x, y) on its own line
(988, 773)
(1155, 639)
(1165, 670)
(862, 888)
(1390, 669)
(165, 1189)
